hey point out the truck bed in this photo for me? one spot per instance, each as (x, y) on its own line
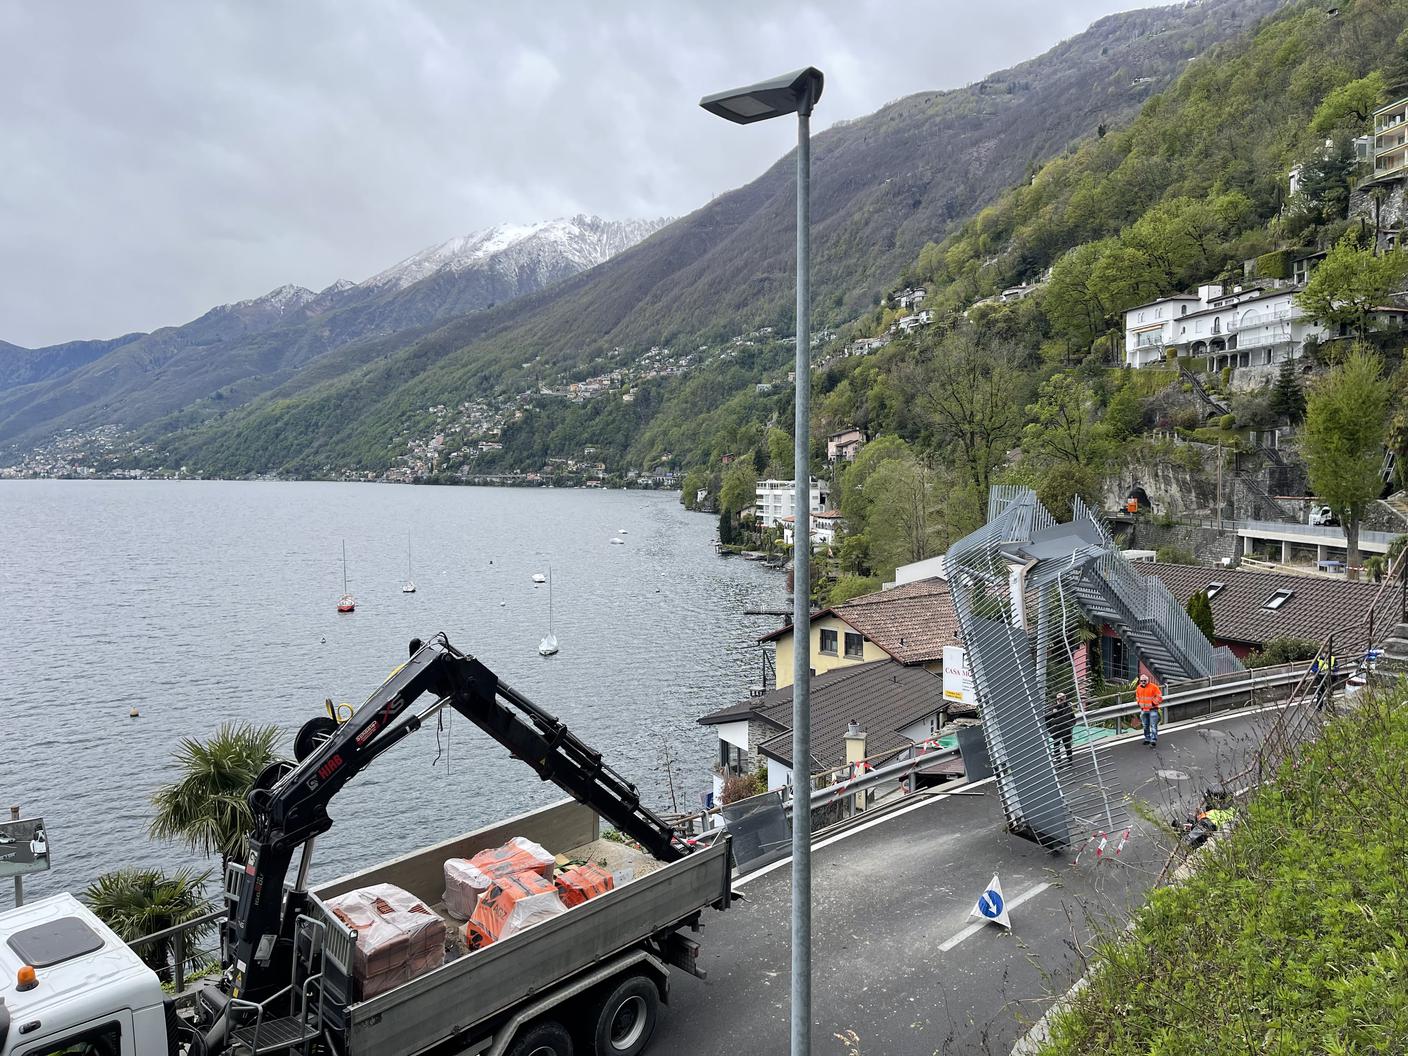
(463, 997)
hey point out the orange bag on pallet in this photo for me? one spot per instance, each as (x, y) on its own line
(519, 855)
(582, 882)
(511, 904)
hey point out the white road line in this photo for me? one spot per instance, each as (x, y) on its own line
(973, 929)
(1100, 746)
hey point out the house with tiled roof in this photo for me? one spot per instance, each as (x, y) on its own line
(892, 704)
(910, 624)
(1251, 608)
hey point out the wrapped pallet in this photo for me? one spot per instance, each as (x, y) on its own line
(467, 879)
(581, 882)
(511, 904)
(398, 936)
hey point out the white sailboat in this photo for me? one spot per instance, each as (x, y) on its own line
(346, 603)
(548, 646)
(408, 587)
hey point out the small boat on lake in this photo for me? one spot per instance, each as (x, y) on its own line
(408, 587)
(538, 577)
(346, 603)
(548, 646)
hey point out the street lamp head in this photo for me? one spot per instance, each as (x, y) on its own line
(789, 94)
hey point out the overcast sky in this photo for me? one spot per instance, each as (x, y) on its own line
(158, 158)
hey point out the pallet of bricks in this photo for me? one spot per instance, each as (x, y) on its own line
(501, 891)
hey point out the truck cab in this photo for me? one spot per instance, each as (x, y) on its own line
(70, 987)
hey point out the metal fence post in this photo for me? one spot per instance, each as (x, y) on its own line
(19, 880)
(179, 977)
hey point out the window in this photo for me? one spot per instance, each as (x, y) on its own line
(1279, 598)
(99, 1041)
(1214, 589)
(855, 646)
(731, 758)
(828, 642)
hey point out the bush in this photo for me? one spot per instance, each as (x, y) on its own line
(847, 587)
(1274, 265)
(743, 786)
(1175, 555)
(1228, 422)
(1283, 650)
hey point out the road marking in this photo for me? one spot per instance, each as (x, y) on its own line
(930, 800)
(973, 929)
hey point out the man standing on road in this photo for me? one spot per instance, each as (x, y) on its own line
(1061, 724)
(1150, 698)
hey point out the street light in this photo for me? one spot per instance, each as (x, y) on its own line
(795, 93)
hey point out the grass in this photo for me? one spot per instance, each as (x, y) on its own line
(1292, 934)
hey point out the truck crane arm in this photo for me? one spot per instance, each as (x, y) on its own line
(290, 805)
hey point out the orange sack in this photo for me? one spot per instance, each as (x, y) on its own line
(582, 882)
(511, 904)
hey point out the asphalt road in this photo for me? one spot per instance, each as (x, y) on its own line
(887, 895)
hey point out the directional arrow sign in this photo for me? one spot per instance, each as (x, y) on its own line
(992, 906)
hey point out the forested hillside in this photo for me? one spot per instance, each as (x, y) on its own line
(883, 187)
(1030, 391)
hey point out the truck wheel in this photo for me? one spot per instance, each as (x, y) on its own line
(627, 1018)
(548, 1038)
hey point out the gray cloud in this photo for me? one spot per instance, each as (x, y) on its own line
(158, 157)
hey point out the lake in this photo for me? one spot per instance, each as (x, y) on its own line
(201, 602)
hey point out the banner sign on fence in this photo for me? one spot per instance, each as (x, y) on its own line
(958, 677)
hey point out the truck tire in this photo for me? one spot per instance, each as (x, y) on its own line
(544, 1038)
(627, 1018)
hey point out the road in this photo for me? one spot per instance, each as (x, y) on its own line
(894, 958)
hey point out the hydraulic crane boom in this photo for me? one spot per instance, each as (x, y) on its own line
(291, 808)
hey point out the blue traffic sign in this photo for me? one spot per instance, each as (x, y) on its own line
(990, 904)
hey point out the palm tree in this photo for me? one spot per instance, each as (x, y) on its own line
(208, 807)
(138, 902)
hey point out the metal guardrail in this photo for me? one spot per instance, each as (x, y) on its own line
(1318, 531)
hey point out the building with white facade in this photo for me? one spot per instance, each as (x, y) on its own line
(1391, 141)
(775, 500)
(1244, 328)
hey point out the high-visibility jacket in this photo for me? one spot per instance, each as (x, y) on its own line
(1149, 697)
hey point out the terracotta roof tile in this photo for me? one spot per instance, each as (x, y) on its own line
(912, 622)
(1317, 607)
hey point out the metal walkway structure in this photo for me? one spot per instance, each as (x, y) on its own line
(1027, 591)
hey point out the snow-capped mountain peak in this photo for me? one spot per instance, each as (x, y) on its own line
(574, 244)
(282, 299)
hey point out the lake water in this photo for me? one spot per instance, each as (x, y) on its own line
(200, 602)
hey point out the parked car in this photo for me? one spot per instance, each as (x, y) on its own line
(1321, 515)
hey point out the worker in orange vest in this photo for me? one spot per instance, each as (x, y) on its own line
(1150, 698)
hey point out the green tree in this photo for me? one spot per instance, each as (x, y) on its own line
(905, 521)
(1200, 612)
(1348, 107)
(1287, 397)
(726, 528)
(1345, 426)
(1325, 175)
(855, 500)
(695, 481)
(1124, 415)
(138, 902)
(1062, 425)
(207, 807)
(848, 586)
(1059, 484)
(1350, 282)
(780, 454)
(740, 487)
(973, 396)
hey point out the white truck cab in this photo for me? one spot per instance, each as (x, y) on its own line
(70, 987)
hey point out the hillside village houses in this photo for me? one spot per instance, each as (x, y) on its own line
(1241, 328)
(824, 527)
(775, 500)
(845, 445)
(877, 660)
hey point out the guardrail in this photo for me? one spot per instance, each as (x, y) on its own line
(1319, 531)
(189, 958)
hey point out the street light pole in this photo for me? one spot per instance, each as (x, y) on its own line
(801, 611)
(795, 93)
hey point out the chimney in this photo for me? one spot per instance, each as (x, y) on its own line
(855, 752)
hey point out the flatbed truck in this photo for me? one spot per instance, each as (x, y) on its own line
(589, 980)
